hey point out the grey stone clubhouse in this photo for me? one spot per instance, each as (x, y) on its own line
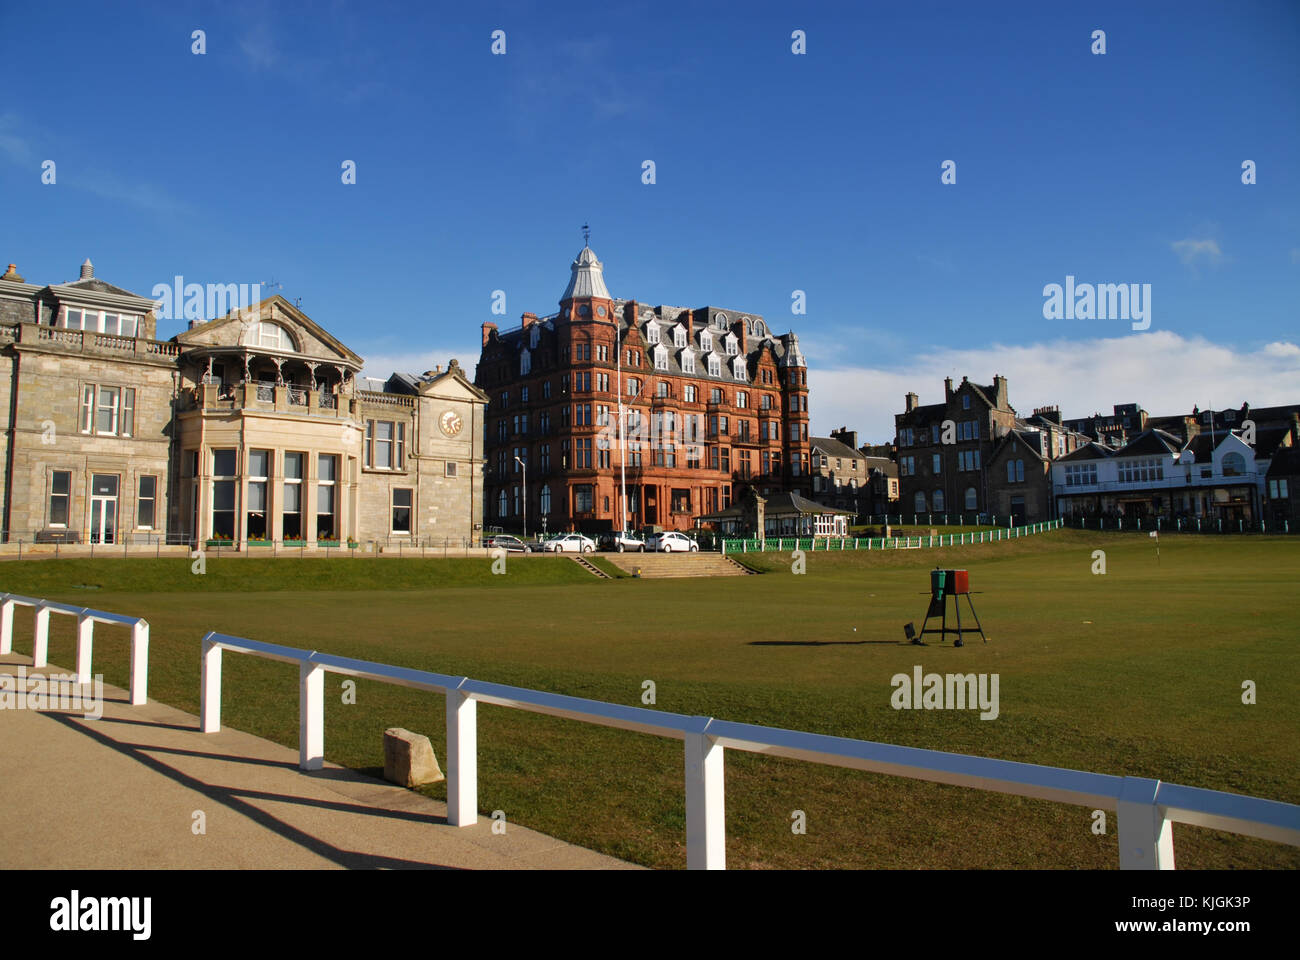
(246, 429)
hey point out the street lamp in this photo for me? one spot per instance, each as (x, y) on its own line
(525, 466)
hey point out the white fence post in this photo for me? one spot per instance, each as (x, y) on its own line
(85, 643)
(706, 811)
(462, 759)
(1146, 838)
(311, 716)
(41, 637)
(6, 625)
(139, 662)
(210, 687)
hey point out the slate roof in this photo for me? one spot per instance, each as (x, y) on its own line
(1285, 463)
(776, 505)
(834, 448)
(1155, 443)
(1089, 451)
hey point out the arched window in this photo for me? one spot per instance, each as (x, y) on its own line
(1011, 471)
(501, 504)
(525, 362)
(546, 498)
(972, 499)
(1234, 465)
(269, 335)
(919, 502)
(1020, 471)
(937, 500)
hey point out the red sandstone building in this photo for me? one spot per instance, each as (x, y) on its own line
(714, 404)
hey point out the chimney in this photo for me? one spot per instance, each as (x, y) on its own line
(911, 402)
(12, 274)
(947, 389)
(489, 330)
(1000, 391)
(88, 270)
(846, 436)
(529, 319)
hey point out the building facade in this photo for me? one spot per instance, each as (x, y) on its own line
(246, 429)
(713, 404)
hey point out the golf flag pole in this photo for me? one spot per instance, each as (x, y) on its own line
(1155, 535)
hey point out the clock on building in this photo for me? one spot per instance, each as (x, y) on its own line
(450, 423)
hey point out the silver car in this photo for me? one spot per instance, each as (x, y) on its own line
(570, 543)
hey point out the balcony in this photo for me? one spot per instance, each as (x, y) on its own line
(88, 341)
(268, 398)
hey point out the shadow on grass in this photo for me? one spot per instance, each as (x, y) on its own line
(818, 643)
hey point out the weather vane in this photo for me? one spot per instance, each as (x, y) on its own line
(586, 235)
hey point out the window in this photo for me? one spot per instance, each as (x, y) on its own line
(972, 499)
(602, 352)
(501, 504)
(918, 502)
(937, 500)
(1079, 475)
(1141, 471)
(633, 387)
(450, 469)
(224, 465)
(742, 399)
(602, 382)
(681, 500)
(546, 389)
(652, 332)
(907, 466)
(1234, 465)
(546, 498)
(766, 402)
(546, 458)
(60, 497)
(715, 366)
(936, 432)
(965, 401)
(108, 411)
(582, 459)
(715, 395)
(327, 466)
(402, 497)
(706, 340)
(732, 345)
(99, 321)
(679, 336)
(905, 437)
(968, 459)
(255, 508)
(688, 362)
(689, 394)
(1277, 489)
(582, 499)
(525, 362)
(936, 465)
(582, 380)
(661, 388)
(386, 443)
(291, 523)
(739, 369)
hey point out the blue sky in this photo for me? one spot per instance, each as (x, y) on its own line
(774, 172)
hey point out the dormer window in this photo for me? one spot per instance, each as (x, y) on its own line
(720, 321)
(706, 340)
(738, 367)
(679, 336)
(651, 333)
(733, 344)
(688, 362)
(100, 321)
(661, 357)
(715, 366)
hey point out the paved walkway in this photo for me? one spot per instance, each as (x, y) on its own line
(120, 792)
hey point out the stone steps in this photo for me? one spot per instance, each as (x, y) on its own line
(661, 565)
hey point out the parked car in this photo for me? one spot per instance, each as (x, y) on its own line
(570, 543)
(620, 542)
(670, 541)
(505, 541)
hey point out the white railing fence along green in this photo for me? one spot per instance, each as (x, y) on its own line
(1146, 809)
(823, 543)
(86, 620)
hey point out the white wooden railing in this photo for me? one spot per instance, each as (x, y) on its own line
(86, 620)
(1146, 809)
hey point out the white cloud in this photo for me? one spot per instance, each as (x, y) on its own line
(1164, 372)
(1189, 250)
(383, 365)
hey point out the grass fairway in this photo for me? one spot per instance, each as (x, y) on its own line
(1137, 672)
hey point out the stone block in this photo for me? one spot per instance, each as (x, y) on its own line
(409, 759)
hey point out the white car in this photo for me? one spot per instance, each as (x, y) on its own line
(672, 542)
(570, 543)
